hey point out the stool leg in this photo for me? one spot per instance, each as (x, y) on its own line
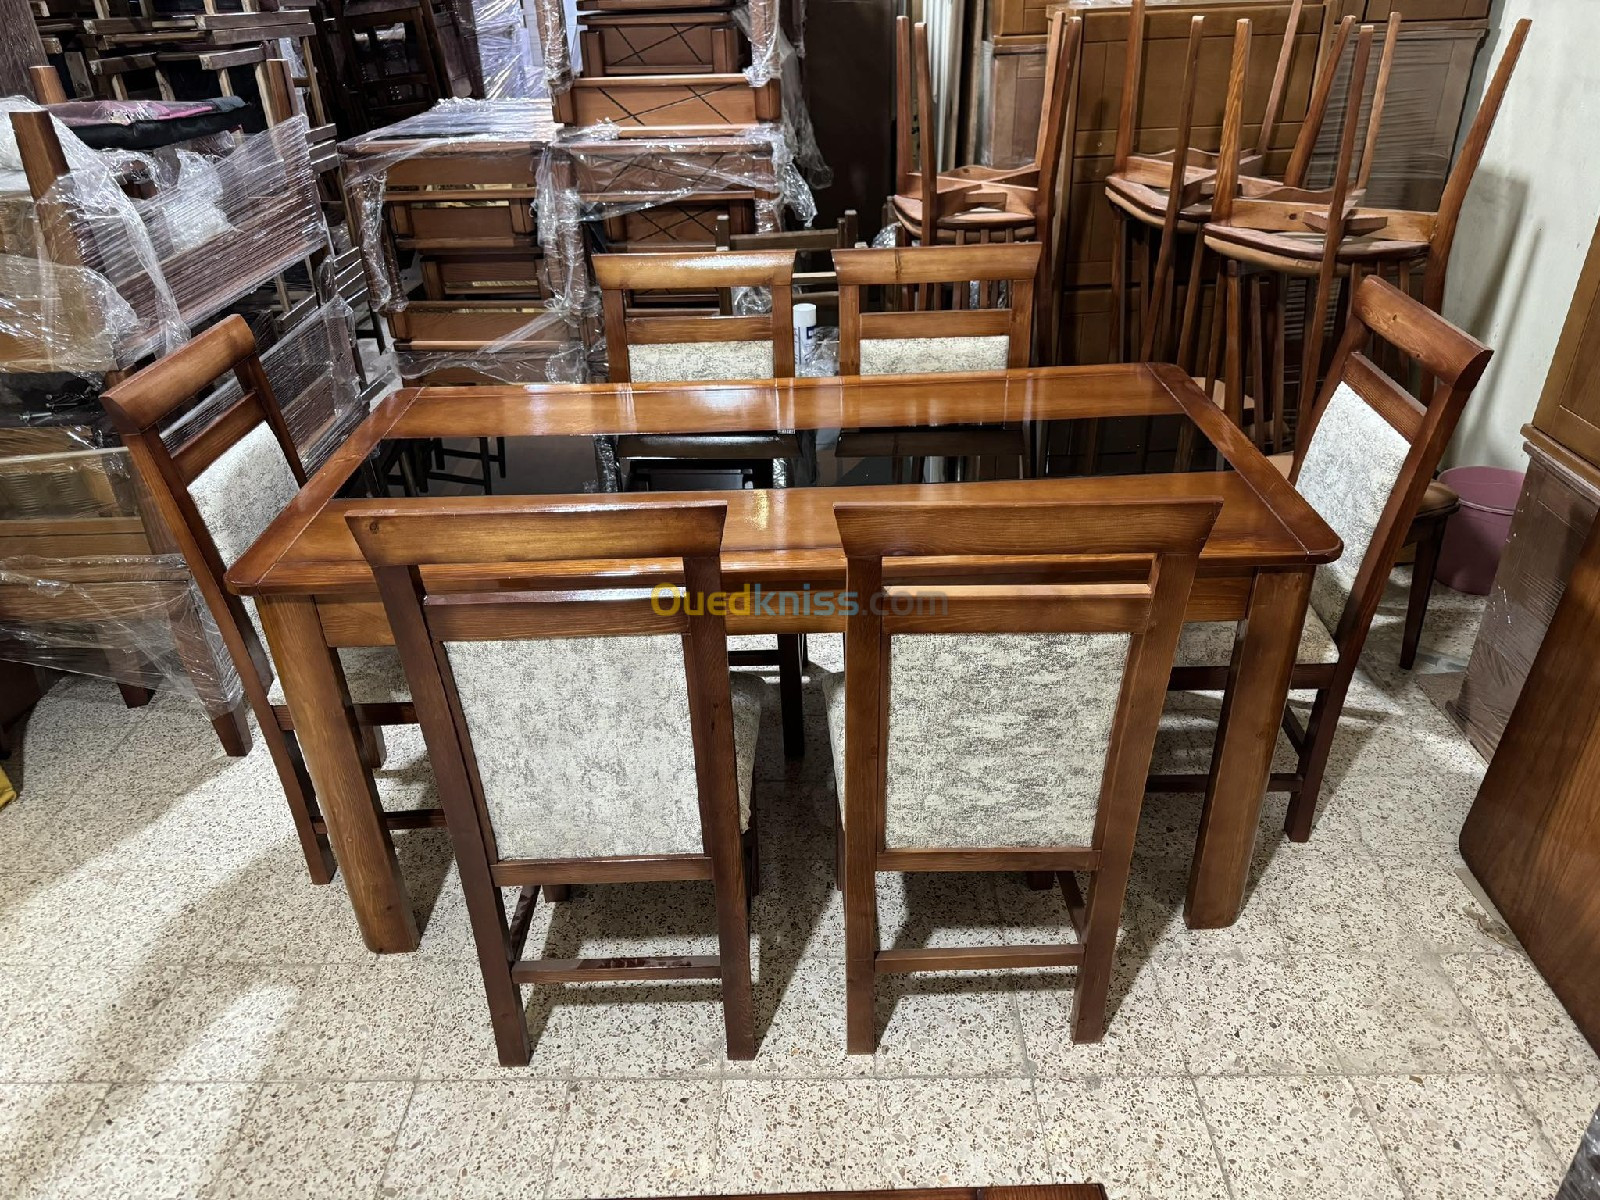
(791, 666)
(1422, 573)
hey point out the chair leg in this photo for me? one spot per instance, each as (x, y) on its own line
(733, 953)
(233, 731)
(555, 893)
(301, 797)
(790, 669)
(1321, 727)
(1422, 574)
(373, 751)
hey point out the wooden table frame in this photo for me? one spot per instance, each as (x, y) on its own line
(315, 592)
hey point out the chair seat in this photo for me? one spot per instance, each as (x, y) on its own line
(373, 673)
(908, 209)
(1301, 253)
(1149, 205)
(1210, 643)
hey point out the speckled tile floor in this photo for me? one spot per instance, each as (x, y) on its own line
(183, 1014)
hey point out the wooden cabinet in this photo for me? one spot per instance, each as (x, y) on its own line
(1413, 10)
(1569, 409)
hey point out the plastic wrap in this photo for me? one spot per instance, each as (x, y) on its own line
(205, 231)
(136, 617)
(589, 177)
(497, 37)
(551, 44)
(451, 129)
(781, 59)
(1552, 522)
(1415, 146)
(137, 621)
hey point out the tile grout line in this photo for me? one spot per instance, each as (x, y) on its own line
(394, 1140)
(1211, 1136)
(1383, 1146)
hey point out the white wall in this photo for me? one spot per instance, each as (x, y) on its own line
(1529, 218)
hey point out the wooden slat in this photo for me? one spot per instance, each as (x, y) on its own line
(976, 958)
(655, 331)
(499, 617)
(1020, 858)
(594, 970)
(1093, 608)
(971, 322)
(630, 869)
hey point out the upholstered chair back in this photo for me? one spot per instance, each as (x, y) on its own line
(932, 332)
(582, 724)
(584, 746)
(657, 345)
(1369, 449)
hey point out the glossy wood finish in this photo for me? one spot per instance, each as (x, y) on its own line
(397, 540)
(317, 590)
(1045, 1191)
(1159, 545)
(1533, 835)
(139, 407)
(1454, 362)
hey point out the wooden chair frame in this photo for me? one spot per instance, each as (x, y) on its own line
(716, 270)
(619, 274)
(985, 204)
(916, 275)
(1157, 546)
(139, 407)
(1456, 362)
(403, 545)
(812, 287)
(1256, 230)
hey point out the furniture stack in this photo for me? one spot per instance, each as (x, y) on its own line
(1431, 67)
(399, 57)
(173, 54)
(446, 217)
(98, 281)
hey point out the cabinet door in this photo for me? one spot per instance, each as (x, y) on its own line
(1569, 410)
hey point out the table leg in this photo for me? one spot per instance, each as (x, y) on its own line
(314, 685)
(1252, 711)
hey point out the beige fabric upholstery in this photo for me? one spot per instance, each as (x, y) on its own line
(691, 362)
(237, 497)
(1210, 643)
(1350, 470)
(584, 746)
(243, 492)
(993, 741)
(941, 355)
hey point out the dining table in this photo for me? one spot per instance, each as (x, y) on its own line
(315, 594)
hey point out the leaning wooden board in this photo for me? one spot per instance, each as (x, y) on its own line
(1533, 835)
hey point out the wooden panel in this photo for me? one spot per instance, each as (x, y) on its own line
(679, 102)
(1011, 17)
(1016, 98)
(1569, 408)
(425, 226)
(462, 324)
(1413, 10)
(1533, 835)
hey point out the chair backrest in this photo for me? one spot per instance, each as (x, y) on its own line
(565, 724)
(1133, 83)
(815, 281)
(227, 480)
(1461, 175)
(930, 339)
(1030, 719)
(646, 348)
(1367, 452)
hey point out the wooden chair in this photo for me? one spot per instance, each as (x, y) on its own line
(217, 491)
(1332, 238)
(820, 284)
(976, 203)
(1079, 667)
(1168, 195)
(1365, 459)
(655, 346)
(937, 333)
(578, 736)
